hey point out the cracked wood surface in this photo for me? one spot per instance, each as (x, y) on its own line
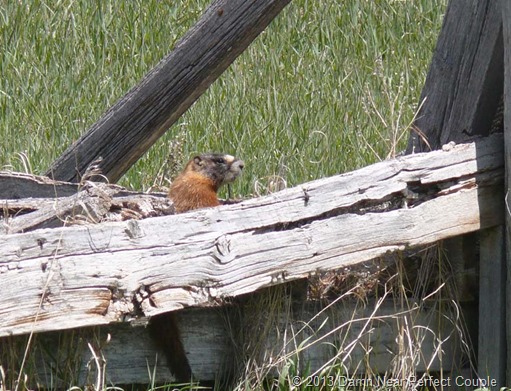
(118, 271)
(71, 204)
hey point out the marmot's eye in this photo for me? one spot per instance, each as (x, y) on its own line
(220, 160)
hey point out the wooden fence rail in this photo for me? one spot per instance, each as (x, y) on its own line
(113, 272)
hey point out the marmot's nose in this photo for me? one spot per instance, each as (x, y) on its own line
(241, 164)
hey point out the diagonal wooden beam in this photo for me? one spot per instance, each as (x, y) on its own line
(136, 121)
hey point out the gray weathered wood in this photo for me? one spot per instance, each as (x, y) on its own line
(91, 203)
(464, 83)
(138, 119)
(208, 341)
(462, 97)
(506, 17)
(492, 308)
(15, 185)
(112, 272)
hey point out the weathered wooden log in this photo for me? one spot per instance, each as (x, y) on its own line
(138, 119)
(112, 272)
(464, 84)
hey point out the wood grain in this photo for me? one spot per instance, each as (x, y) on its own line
(145, 267)
(87, 203)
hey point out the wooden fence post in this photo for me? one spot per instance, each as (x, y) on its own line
(506, 31)
(462, 98)
(492, 308)
(464, 82)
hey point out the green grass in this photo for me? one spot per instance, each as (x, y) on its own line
(63, 63)
(327, 88)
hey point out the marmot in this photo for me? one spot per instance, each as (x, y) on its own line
(195, 188)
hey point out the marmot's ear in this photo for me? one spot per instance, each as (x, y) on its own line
(198, 160)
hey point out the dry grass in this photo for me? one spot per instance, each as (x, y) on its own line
(421, 314)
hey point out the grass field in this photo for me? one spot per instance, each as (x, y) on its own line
(329, 87)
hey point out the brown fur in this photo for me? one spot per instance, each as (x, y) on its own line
(197, 186)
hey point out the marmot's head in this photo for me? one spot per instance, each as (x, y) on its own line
(220, 168)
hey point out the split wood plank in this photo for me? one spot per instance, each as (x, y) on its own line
(90, 203)
(111, 272)
(16, 185)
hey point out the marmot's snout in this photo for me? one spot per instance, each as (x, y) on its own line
(235, 170)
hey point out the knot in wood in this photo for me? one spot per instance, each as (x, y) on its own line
(223, 253)
(133, 229)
